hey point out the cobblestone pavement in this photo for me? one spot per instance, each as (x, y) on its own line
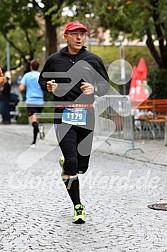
(36, 212)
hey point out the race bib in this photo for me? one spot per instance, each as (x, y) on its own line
(74, 116)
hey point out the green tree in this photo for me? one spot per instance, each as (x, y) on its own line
(144, 19)
(51, 12)
(137, 19)
(21, 30)
(24, 29)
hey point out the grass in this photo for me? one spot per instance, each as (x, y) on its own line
(132, 54)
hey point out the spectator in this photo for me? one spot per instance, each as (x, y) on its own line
(2, 80)
(5, 101)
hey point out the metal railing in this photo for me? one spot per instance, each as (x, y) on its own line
(113, 119)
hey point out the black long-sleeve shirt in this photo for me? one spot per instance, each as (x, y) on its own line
(91, 69)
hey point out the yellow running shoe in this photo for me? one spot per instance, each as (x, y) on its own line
(79, 214)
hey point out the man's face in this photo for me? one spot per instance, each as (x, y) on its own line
(75, 40)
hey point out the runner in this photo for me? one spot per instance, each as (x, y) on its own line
(74, 112)
(34, 98)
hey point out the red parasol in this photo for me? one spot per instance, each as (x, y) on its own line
(142, 69)
(139, 90)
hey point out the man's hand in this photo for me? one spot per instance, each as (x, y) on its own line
(2, 79)
(87, 88)
(51, 86)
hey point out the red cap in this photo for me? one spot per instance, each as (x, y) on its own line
(74, 25)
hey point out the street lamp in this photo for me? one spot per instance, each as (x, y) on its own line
(8, 58)
(122, 61)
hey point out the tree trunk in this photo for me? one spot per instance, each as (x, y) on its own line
(50, 37)
(153, 50)
(160, 55)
